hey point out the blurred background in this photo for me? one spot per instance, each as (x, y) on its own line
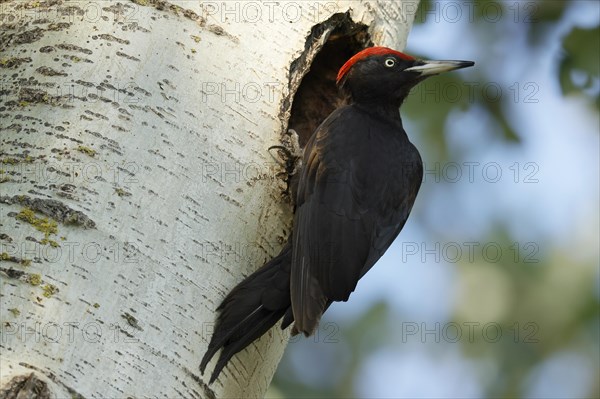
(493, 287)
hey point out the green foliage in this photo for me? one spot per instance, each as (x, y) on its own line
(581, 55)
(542, 302)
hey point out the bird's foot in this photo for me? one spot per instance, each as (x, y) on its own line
(289, 156)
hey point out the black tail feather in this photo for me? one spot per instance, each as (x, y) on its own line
(250, 310)
(219, 340)
(255, 332)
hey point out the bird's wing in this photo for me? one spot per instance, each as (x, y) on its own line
(341, 228)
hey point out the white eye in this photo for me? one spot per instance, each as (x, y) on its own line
(390, 62)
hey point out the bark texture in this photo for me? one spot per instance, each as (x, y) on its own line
(136, 186)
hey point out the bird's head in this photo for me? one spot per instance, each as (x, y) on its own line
(380, 74)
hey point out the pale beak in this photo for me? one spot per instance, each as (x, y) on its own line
(426, 67)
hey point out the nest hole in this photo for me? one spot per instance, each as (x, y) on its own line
(318, 96)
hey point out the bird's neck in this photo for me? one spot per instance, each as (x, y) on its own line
(388, 111)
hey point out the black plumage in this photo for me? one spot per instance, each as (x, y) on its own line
(359, 181)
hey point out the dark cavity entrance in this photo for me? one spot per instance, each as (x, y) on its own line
(317, 96)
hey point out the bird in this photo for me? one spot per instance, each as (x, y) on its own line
(359, 180)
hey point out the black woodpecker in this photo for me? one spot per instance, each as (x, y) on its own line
(358, 183)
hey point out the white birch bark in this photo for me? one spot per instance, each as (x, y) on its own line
(136, 185)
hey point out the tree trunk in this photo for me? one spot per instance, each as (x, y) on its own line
(137, 188)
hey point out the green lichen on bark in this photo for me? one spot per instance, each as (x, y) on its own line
(6, 257)
(49, 290)
(87, 151)
(47, 226)
(54, 209)
(122, 193)
(16, 312)
(34, 279)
